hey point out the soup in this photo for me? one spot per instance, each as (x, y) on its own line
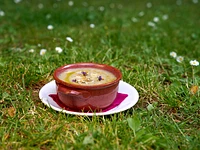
(87, 76)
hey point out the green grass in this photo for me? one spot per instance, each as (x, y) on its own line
(167, 114)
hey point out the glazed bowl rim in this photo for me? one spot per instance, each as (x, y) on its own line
(100, 66)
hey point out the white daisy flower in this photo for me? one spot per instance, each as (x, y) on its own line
(85, 4)
(101, 8)
(92, 26)
(165, 17)
(141, 14)
(194, 63)
(134, 19)
(50, 27)
(149, 5)
(40, 6)
(195, 1)
(120, 6)
(17, 1)
(155, 19)
(173, 54)
(59, 49)
(39, 45)
(18, 49)
(48, 16)
(179, 59)
(70, 3)
(43, 51)
(179, 2)
(69, 39)
(151, 24)
(31, 51)
(2, 13)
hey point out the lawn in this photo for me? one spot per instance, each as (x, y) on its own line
(137, 37)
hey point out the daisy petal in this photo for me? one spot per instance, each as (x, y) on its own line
(179, 59)
(69, 39)
(173, 54)
(42, 52)
(59, 49)
(194, 63)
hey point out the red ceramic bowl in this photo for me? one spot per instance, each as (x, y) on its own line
(84, 97)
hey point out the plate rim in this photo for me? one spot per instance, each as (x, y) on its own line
(45, 101)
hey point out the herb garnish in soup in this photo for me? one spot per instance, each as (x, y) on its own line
(87, 76)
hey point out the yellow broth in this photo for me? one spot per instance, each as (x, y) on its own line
(87, 76)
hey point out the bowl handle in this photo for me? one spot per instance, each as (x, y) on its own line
(67, 91)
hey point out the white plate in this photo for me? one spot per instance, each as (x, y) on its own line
(130, 101)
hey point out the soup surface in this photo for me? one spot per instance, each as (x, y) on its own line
(87, 76)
